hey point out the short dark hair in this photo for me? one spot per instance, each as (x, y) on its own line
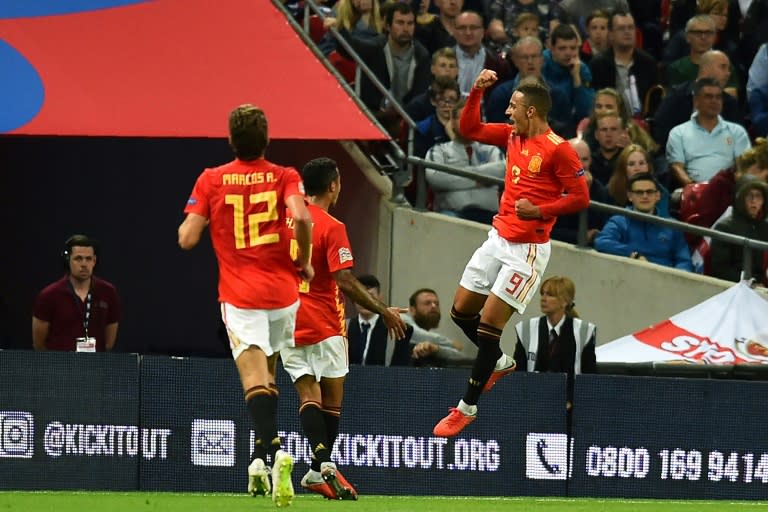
(597, 13)
(617, 12)
(248, 132)
(643, 176)
(401, 7)
(369, 281)
(77, 241)
(80, 241)
(440, 84)
(536, 95)
(563, 31)
(701, 83)
(318, 174)
(415, 295)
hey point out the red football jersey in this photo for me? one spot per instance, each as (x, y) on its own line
(541, 169)
(245, 204)
(321, 313)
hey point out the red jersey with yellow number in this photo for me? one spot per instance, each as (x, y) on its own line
(544, 169)
(245, 205)
(321, 313)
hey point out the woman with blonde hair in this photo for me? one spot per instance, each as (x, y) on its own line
(634, 159)
(559, 341)
(359, 17)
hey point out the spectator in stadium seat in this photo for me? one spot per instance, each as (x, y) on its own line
(472, 54)
(528, 57)
(566, 228)
(444, 64)
(597, 41)
(700, 32)
(629, 70)
(700, 147)
(558, 341)
(632, 160)
(361, 18)
(459, 196)
(748, 219)
(719, 193)
(564, 70)
(610, 131)
(258, 301)
(677, 106)
(757, 92)
(754, 31)
(725, 39)
(439, 32)
(369, 341)
(640, 240)
(430, 348)
(608, 99)
(80, 312)
(398, 61)
(504, 13)
(318, 363)
(434, 129)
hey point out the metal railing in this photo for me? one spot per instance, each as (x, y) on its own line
(582, 240)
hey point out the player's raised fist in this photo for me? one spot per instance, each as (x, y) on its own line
(485, 79)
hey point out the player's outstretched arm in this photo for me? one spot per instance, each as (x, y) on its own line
(191, 230)
(302, 227)
(355, 290)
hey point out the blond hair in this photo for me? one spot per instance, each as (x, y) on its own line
(564, 289)
(347, 16)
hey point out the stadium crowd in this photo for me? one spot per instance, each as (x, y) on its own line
(675, 89)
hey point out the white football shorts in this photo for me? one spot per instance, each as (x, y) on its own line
(271, 330)
(512, 271)
(327, 358)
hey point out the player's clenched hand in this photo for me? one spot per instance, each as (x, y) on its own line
(306, 271)
(526, 209)
(394, 323)
(485, 79)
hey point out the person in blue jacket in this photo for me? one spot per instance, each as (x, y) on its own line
(641, 240)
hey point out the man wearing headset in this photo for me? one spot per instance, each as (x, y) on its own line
(79, 312)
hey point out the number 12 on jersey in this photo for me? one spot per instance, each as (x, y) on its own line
(254, 219)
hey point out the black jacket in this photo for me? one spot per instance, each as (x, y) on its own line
(377, 349)
(643, 67)
(372, 53)
(725, 258)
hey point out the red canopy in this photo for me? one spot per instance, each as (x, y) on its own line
(176, 68)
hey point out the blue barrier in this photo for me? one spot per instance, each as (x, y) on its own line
(120, 422)
(670, 438)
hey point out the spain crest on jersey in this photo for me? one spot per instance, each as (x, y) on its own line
(534, 166)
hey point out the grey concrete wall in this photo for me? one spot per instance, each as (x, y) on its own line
(618, 294)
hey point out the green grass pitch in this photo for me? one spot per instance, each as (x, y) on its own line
(62, 501)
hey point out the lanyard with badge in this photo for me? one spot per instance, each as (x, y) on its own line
(85, 343)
